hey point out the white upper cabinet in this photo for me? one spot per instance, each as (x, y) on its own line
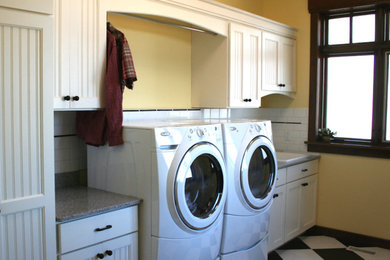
(279, 65)
(245, 66)
(80, 51)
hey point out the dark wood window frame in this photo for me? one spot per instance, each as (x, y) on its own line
(319, 51)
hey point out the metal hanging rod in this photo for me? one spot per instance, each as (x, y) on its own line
(186, 27)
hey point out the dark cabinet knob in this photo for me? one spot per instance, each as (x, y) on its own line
(100, 256)
(282, 85)
(276, 195)
(247, 100)
(67, 98)
(75, 98)
(305, 184)
(109, 252)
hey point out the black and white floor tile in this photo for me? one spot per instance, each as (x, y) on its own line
(326, 248)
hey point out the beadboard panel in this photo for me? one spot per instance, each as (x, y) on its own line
(27, 211)
(20, 121)
(21, 236)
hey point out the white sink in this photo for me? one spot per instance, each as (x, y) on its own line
(287, 157)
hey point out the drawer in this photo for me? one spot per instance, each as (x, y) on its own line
(125, 247)
(281, 178)
(84, 232)
(301, 170)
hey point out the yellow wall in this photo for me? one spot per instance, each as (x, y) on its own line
(162, 57)
(354, 192)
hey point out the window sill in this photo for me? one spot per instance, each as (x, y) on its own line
(366, 150)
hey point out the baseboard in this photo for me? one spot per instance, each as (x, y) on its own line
(349, 238)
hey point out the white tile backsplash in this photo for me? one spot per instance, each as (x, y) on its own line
(289, 125)
(70, 151)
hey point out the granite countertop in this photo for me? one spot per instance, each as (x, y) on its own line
(286, 159)
(78, 202)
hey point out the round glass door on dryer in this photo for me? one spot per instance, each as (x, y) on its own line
(196, 195)
(258, 170)
(199, 187)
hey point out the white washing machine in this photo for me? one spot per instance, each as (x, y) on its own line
(178, 171)
(251, 166)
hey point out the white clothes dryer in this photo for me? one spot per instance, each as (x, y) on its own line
(178, 171)
(251, 166)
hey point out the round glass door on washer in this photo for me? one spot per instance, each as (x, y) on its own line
(199, 186)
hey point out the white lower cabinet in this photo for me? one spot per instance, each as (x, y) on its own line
(293, 209)
(277, 213)
(113, 235)
(300, 206)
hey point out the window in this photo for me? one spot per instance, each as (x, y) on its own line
(350, 82)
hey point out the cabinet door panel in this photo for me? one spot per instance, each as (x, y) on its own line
(293, 212)
(309, 202)
(270, 62)
(277, 221)
(80, 53)
(253, 69)
(27, 213)
(288, 63)
(245, 66)
(279, 64)
(236, 67)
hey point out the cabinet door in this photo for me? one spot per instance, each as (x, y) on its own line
(271, 64)
(293, 212)
(245, 66)
(27, 210)
(287, 63)
(308, 202)
(277, 218)
(80, 53)
(121, 248)
(279, 63)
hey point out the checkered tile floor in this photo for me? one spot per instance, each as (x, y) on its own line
(327, 248)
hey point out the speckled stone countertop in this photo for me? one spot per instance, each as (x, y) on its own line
(74, 203)
(286, 159)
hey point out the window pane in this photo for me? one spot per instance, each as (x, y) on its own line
(387, 138)
(338, 32)
(363, 28)
(349, 97)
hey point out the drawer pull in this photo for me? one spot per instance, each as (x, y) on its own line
(108, 252)
(304, 170)
(100, 256)
(102, 229)
(276, 195)
(305, 184)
